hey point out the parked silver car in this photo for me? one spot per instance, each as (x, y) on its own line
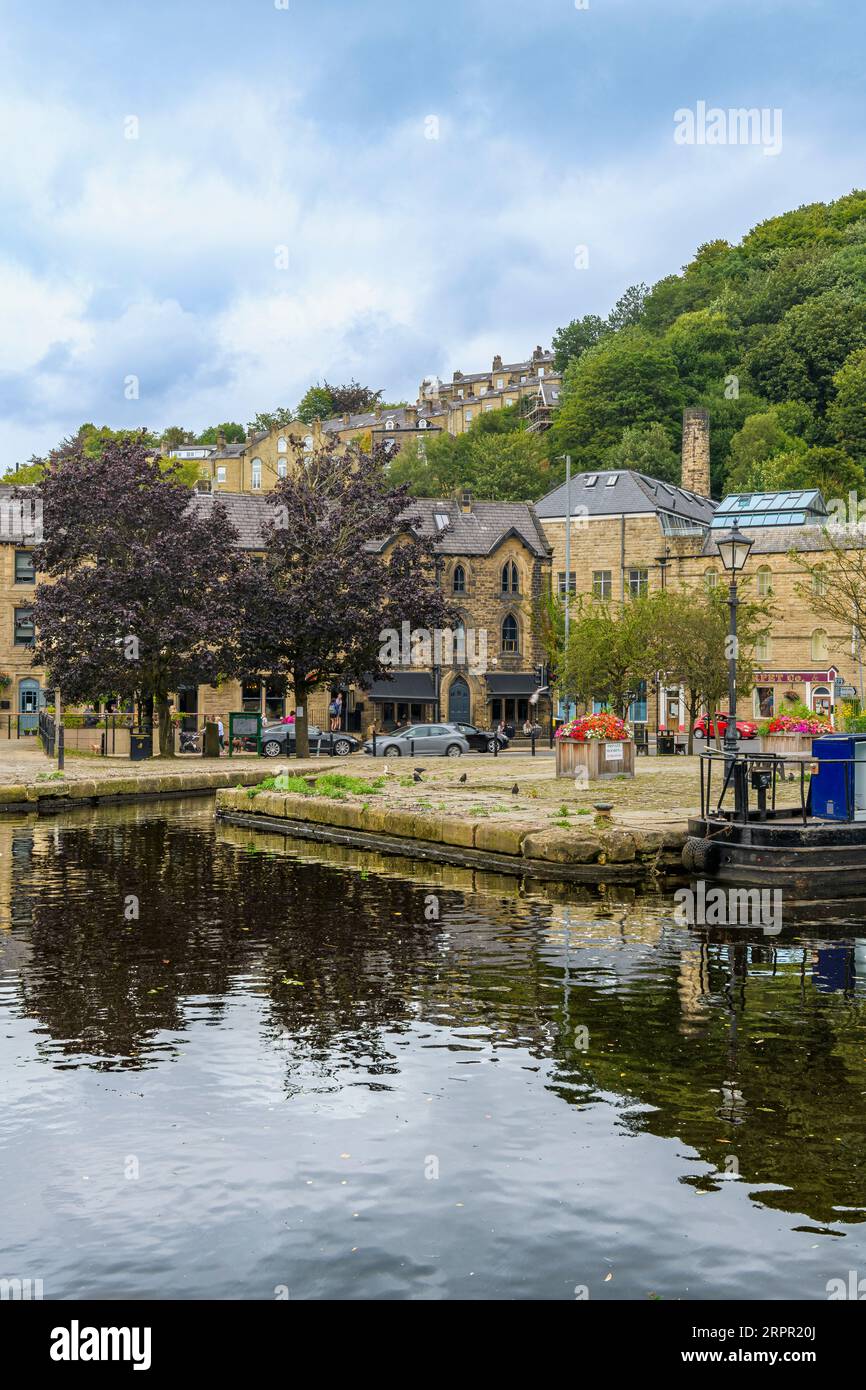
(419, 741)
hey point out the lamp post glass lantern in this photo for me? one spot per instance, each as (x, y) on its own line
(734, 551)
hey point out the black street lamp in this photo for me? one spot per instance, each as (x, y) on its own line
(734, 551)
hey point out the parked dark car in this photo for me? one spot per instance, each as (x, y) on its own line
(479, 740)
(278, 741)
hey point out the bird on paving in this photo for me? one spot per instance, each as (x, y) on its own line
(462, 779)
(515, 790)
(416, 777)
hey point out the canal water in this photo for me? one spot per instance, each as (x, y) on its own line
(234, 1066)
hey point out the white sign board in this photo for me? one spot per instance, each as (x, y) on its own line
(613, 753)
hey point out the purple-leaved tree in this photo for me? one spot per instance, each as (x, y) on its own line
(329, 585)
(142, 597)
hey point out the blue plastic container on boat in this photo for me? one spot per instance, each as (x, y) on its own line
(829, 800)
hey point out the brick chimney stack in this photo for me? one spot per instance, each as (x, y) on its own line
(696, 451)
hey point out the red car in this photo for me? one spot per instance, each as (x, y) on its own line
(704, 727)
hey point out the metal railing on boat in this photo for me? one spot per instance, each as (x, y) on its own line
(765, 769)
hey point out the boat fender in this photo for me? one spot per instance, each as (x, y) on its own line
(699, 854)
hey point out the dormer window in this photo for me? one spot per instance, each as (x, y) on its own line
(389, 424)
(422, 424)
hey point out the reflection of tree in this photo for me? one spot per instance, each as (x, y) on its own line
(736, 1049)
(774, 1079)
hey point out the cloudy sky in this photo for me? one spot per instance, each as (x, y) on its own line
(228, 200)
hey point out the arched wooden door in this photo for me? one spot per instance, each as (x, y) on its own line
(458, 701)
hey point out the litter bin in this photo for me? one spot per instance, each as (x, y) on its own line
(140, 747)
(665, 744)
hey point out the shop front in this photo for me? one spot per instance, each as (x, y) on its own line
(776, 691)
(508, 698)
(409, 697)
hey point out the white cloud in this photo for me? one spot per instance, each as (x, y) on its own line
(155, 257)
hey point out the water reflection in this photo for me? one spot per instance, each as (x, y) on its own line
(148, 945)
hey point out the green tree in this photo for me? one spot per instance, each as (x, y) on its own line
(798, 358)
(234, 433)
(173, 436)
(761, 438)
(270, 420)
(847, 413)
(611, 649)
(497, 459)
(829, 469)
(628, 310)
(629, 378)
(317, 404)
(705, 348)
(571, 342)
(691, 633)
(509, 467)
(647, 449)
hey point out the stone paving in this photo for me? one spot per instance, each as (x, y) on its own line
(663, 793)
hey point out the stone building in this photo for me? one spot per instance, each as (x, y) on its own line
(630, 535)
(804, 653)
(460, 402)
(494, 567)
(21, 686)
(257, 464)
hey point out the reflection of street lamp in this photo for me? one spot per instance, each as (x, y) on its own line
(734, 551)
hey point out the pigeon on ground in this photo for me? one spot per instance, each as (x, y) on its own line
(515, 790)
(416, 777)
(462, 779)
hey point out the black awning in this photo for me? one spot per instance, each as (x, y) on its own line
(521, 683)
(414, 686)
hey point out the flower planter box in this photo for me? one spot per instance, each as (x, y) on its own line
(786, 743)
(602, 760)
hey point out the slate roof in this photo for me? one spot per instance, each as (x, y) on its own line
(480, 530)
(632, 493)
(477, 532)
(778, 540)
(245, 512)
